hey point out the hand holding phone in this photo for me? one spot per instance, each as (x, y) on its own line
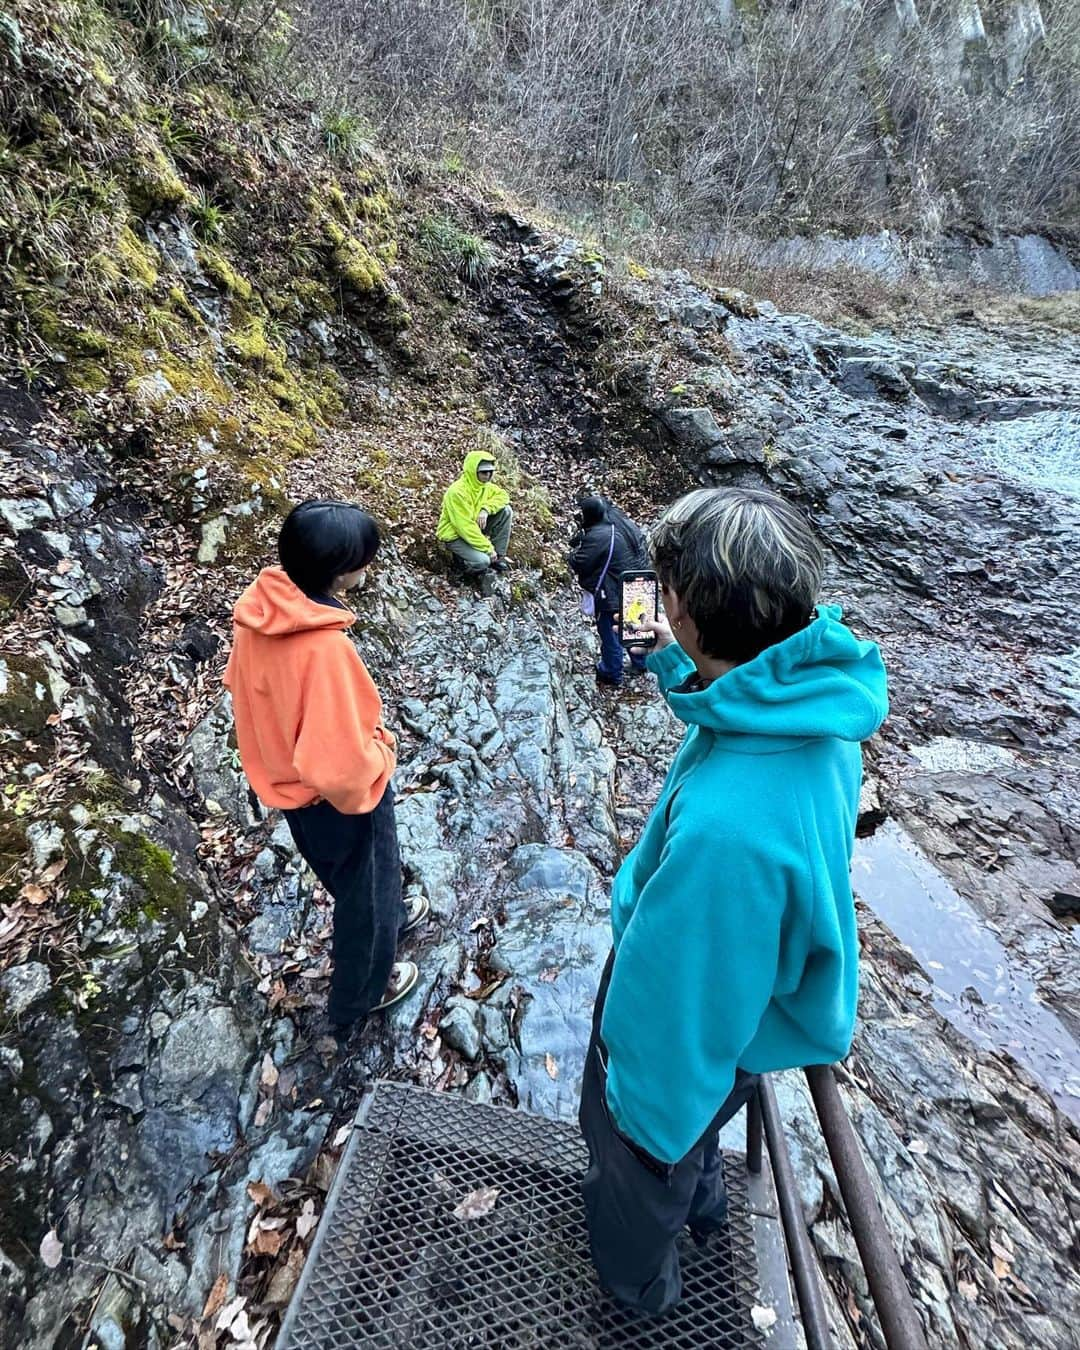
(661, 631)
(639, 608)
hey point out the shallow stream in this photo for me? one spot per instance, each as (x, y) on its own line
(1042, 450)
(979, 986)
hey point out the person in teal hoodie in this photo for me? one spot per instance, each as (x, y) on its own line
(735, 950)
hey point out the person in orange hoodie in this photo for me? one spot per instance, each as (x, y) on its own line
(312, 743)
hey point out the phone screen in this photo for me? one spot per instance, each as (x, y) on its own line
(638, 603)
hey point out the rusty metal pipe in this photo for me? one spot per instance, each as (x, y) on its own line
(896, 1311)
(800, 1253)
(753, 1134)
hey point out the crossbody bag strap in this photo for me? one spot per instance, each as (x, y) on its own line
(603, 574)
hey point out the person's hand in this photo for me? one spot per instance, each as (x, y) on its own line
(664, 636)
(482, 519)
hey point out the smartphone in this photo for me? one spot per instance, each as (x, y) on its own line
(639, 599)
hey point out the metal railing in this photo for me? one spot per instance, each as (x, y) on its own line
(900, 1323)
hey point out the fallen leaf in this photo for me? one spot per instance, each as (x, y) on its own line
(285, 1279)
(51, 1250)
(269, 1075)
(240, 1328)
(228, 1315)
(1002, 1268)
(215, 1300)
(322, 1171)
(477, 1203)
(268, 1242)
(33, 894)
(918, 1146)
(341, 1136)
(1002, 1248)
(261, 1194)
(968, 1290)
(763, 1318)
(53, 871)
(549, 976)
(262, 1115)
(486, 990)
(307, 1219)
(551, 1065)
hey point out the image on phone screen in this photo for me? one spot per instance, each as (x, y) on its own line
(638, 604)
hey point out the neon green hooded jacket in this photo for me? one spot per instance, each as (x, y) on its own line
(463, 501)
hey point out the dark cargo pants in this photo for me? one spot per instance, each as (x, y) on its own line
(357, 859)
(635, 1205)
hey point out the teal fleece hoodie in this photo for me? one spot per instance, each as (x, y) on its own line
(733, 919)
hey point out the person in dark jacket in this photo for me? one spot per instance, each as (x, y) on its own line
(607, 544)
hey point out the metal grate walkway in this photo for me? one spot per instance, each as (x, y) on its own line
(392, 1267)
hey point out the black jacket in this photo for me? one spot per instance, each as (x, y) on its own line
(589, 550)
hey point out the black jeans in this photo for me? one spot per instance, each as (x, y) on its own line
(635, 1205)
(357, 859)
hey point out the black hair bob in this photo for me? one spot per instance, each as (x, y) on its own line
(592, 510)
(322, 540)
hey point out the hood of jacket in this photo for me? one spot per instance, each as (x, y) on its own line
(822, 681)
(469, 466)
(275, 606)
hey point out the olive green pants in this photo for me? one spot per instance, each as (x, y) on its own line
(497, 530)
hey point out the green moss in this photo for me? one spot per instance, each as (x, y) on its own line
(25, 703)
(336, 199)
(151, 867)
(217, 266)
(153, 183)
(178, 299)
(357, 266)
(375, 206)
(101, 73)
(252, 345)
(84, 901)
(88, 342)
(313, 297)
(89, 377)
(138, 260)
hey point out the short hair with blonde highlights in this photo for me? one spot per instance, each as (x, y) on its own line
(746, 565)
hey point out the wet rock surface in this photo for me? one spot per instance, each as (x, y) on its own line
(140, 1106)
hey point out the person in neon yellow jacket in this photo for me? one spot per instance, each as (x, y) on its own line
(476, 518)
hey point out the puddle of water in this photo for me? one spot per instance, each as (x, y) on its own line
(1043, 450)
(951, 754)
(978, 985)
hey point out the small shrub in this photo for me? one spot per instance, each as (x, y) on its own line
(453, 251)
(176, 135)
(343, 135)
(207, 218)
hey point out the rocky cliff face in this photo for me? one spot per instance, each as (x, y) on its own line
(170, 1114)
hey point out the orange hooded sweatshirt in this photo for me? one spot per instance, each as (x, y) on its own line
(308, 716)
